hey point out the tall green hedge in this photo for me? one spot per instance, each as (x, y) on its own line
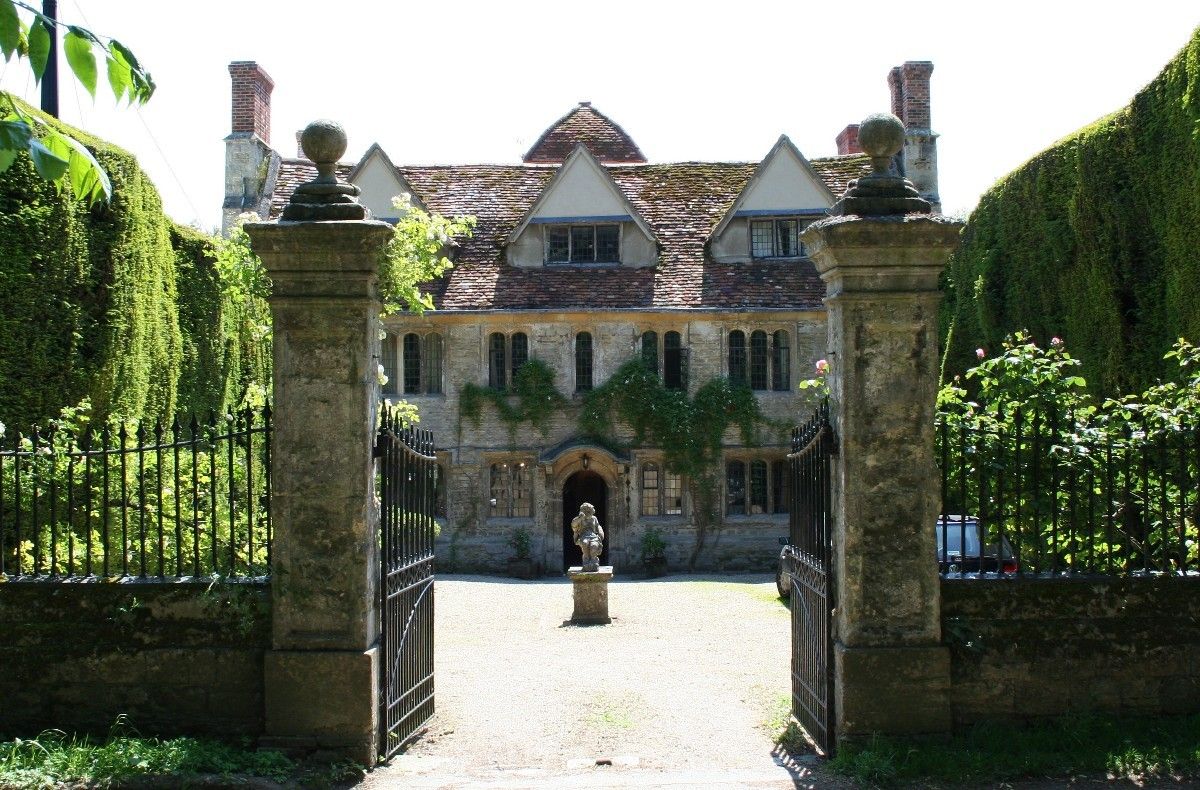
(94, 301)
(1095, 240)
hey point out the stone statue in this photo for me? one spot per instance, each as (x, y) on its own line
(589, 536)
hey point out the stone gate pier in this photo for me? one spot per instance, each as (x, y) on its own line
(880, 255)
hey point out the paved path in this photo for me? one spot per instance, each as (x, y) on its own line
(686, 688)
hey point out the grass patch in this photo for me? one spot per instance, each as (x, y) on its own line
(614, 713)
(56, 758)
(1087, 745)
(759, 591)
(783, 729)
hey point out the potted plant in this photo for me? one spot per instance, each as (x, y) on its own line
(521, 564)
(654, 553)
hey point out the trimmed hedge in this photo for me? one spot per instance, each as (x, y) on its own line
(95, 300)
(1095, 240)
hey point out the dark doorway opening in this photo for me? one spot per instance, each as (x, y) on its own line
(583, 487)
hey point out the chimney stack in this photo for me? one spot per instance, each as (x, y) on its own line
(250, 165)
(251, 99)
(915, 80)
(896, 86)
(847, 141)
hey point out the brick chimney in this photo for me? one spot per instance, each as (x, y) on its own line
(847, 141)
(896, 86)
(909, 87)
(251, 167)
(251, 99)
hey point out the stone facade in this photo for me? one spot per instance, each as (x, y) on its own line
(1024, 649)
(473, 538)
(176, 658)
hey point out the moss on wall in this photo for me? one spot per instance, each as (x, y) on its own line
(1094, 240)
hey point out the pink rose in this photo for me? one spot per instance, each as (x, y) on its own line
(822, 367)
(1056, 341)
(980, 353)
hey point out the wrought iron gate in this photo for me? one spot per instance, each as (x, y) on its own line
(407, 475)
(809, 567)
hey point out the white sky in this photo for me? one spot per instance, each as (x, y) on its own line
(479, 81)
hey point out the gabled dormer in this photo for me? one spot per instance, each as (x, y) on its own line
(379, 181)
(783, 196)
(582, 219)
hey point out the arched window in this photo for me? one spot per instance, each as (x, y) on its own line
(758, 360)
(737, 356)
(650, 490)
(496, 372)
(583, 362)
(758, 487)
(389, 356)
(781, 358)
(520, 352)
(650, 351)
(432, 374)
(735, 488)
(412, 363)
(673, 376)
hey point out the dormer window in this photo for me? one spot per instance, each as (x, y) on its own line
(583, 243)
(776, 238)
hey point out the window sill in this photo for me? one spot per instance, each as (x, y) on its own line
(742, 517)
(581, 264)
(511, 520)
(678, 518)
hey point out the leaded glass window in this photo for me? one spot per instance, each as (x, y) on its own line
(775, 238)
(737, 356)
(608, 243)
(650, 351)
(520, 352)
(583, 243)
(583, 362)
(735, 488)
(412, 363)
(388, 360)
(496, 373)
(511, 491)
(558, 244)
(673, 361)
(758, 360)
(781, 358)
(758, 487)
(780, 485)
(650, 490)
(672, 494)
(762, 239)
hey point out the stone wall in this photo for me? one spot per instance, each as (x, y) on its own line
(1028, 648)
(174, 657)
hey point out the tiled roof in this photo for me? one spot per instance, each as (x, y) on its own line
(607, 141)
(682, 203)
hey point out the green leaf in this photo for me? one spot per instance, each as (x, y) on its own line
(49, 166)
(78, 48)
(89, 182)
(39, 48)
(118, 78)
(7, 157)
(14, 134)
(140, 85)
(10, 28)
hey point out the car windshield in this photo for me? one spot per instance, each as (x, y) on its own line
(949, 541)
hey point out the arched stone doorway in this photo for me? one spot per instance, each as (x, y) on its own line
(583, 486)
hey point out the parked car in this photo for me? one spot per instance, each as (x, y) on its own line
(954, 557)
(951, 557)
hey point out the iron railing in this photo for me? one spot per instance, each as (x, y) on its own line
(1041, 493)
(156, 501)
(809, 567)
(407, 477)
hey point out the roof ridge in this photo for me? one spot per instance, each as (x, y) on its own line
(631, 152)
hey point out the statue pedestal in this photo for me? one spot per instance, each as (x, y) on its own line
(591, 595)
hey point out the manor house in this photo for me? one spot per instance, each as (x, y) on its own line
(586, 255)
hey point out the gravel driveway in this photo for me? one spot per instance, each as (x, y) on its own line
(686, 688)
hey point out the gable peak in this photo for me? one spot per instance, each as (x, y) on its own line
(585, 125)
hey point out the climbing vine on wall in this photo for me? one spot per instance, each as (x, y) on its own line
(689, 430)
(533, 399)
(1093, 240)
